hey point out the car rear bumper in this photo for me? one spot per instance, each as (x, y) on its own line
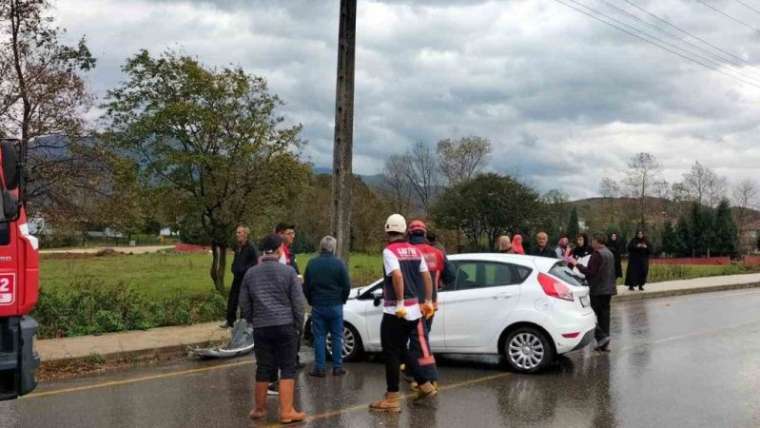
(584, 324)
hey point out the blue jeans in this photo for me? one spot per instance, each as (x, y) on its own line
(326, 319)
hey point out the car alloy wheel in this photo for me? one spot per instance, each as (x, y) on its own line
(526, 351)
(349, 349)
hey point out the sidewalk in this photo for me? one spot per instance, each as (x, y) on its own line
(689, 286)
(174, 341)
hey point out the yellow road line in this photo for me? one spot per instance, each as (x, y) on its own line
(365, 406)
(138, 379)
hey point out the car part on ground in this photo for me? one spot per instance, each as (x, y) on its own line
(241, 343)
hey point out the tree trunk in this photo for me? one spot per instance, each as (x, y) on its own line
(218, 266)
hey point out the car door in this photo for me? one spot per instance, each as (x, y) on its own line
(373, 315)
(484, 294)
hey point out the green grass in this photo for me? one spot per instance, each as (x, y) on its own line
(168, 273)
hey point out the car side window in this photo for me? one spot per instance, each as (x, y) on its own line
(475, 274)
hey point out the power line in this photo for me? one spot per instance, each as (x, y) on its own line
(721, 59)
(688, 33)
(752, 8)
(648, 40)
(752, 27)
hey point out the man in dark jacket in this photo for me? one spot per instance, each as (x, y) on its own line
(600, 274)
(326, 286)
(272, 301)
(245, 257)
(542, 246)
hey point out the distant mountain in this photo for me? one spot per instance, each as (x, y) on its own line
(372, 181)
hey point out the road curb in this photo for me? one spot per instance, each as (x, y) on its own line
(101, 363)
(628, 296)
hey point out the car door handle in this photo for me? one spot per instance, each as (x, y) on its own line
(502, 296)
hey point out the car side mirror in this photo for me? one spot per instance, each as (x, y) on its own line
(377, 300)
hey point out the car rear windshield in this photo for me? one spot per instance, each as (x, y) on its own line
(564, 273)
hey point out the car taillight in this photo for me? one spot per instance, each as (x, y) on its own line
(554, 288)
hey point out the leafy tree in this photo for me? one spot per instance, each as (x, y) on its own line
(724, 231)
(487, 206)
(209, 138)
(43, 98)
(573, 228)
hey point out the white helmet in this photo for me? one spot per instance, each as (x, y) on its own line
(395, 223)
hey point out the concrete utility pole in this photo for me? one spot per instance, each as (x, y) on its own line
(340, 217)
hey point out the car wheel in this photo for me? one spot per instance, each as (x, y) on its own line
(528, 350)
(352, 344)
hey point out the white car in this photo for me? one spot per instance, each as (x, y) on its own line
(524, 308)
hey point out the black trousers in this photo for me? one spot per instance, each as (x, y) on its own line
(395, 333)
(233, 299)
(275, 349)
(601, 307)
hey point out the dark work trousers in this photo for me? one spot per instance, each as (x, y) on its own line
(275, 349)
(601, 307)
(233, 299)
(419, 349)
(394, 336)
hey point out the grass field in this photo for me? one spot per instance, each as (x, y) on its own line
(166, 272)
(172, 273)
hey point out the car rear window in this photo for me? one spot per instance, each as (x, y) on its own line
(564, 273)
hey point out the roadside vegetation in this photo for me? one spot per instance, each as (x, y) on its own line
(87, 294)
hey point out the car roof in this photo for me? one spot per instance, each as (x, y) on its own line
(543, 263)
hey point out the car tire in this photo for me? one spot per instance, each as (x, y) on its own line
(353, 349)
(527, 350)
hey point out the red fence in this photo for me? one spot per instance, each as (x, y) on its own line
(693, 261)
(751, 260)
(190, 248)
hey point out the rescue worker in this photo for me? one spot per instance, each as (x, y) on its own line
(405, 272)
(440, 272)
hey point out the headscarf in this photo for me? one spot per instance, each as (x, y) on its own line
(517, 246)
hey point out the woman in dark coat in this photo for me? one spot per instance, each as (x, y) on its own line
(617, 247)
(582, 246)
(639, 250)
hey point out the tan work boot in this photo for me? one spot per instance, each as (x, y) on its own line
(288, 413)
(425, 390)
(391, 403)
(260, 396)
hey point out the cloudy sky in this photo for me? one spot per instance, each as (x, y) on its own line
(564, 98)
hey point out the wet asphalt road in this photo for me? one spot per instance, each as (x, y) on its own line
(690, 361)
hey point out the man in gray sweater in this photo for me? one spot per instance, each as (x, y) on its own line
(272, 301)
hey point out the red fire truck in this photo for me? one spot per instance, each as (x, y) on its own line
(19, 280)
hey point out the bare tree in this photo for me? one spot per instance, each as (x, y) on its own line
(422, 174)
(396, 184)
(460, 160)
(609, 188)
(644, 180)
(43, 98)
(703, 185)
(745, 198)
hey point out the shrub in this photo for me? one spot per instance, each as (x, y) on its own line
(90, 307)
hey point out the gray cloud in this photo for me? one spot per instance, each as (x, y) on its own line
(565, 99)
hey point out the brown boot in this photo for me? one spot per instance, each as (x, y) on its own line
(260, 401)
(288, 413)
(391, 403)
(425, 390)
